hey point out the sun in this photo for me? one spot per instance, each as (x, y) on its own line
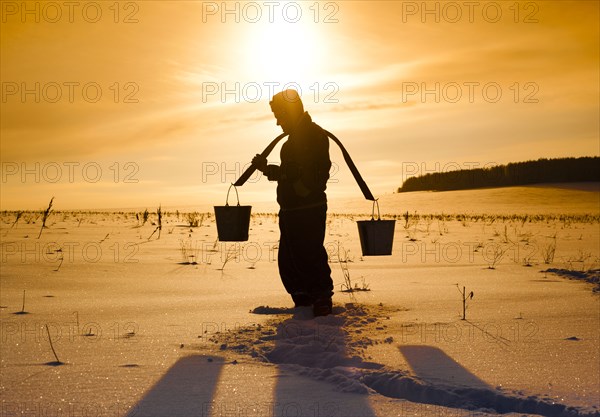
(284, 52)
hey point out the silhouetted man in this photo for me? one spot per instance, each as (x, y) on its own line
(301, 182)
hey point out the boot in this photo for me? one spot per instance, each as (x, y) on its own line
(322, 306)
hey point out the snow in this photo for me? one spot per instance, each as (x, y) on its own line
(141, 333)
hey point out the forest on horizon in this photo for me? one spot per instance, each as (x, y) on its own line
(543, 170)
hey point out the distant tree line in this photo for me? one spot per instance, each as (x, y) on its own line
(518, 173)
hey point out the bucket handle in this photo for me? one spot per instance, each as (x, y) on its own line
(373, 212)
(236, 193)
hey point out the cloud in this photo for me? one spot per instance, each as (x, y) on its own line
(372, 55)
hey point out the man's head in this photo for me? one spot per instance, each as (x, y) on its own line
(288, 109)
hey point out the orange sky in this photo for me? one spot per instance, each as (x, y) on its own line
(162, 132)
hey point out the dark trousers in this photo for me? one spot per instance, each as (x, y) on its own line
(302, 258)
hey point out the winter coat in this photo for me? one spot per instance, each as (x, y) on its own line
(304, 171)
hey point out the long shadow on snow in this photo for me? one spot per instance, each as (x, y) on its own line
(442, 381)
(316, 349)
(186, 389)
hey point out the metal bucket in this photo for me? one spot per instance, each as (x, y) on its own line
(376, 235)
(233, 222)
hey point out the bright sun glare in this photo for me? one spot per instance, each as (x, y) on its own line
(284, 52)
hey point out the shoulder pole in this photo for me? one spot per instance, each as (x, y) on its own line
(361, 183)
(250, 170)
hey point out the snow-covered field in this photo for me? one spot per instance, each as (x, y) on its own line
(184, 325)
